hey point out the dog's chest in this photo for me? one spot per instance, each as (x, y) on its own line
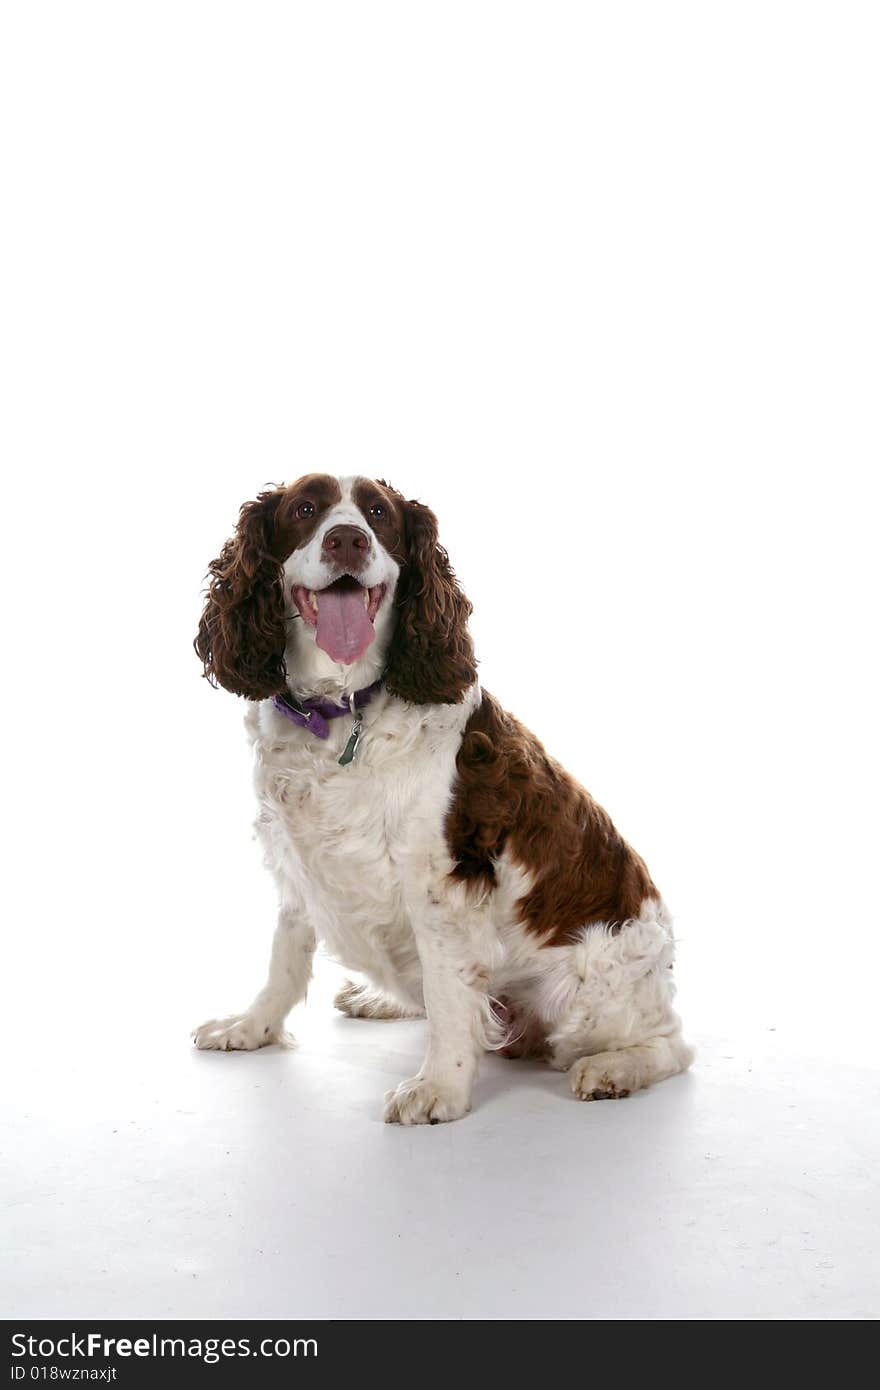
(351, 842)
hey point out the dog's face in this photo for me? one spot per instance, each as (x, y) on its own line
(341, 576)
(336, 581)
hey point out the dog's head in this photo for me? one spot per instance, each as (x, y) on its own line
(336, 580)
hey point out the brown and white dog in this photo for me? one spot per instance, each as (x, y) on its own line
(412, 825)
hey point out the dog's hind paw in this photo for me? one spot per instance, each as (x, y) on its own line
(360, 1001)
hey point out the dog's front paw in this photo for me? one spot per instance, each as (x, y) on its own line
(238, 1033)
(426, 1100)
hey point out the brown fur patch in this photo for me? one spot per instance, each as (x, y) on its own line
(431, 656)
(510, 794)
(390, 525)
(320, 490)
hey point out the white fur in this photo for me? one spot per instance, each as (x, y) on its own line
(362, 864)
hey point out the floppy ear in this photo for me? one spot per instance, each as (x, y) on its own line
(241, 635)
(431, 656)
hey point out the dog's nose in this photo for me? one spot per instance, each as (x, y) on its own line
(346, 546)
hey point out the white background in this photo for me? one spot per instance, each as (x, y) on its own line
(598, 283)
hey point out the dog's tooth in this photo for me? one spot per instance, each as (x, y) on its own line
(366, 598)
(313, 599)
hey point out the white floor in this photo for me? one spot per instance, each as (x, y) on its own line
(162, 1182)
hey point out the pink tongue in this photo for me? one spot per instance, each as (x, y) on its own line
(344, 630)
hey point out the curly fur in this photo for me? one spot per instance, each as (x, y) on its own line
(431, 656)
(241, 635)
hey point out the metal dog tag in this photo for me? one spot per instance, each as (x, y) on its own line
(348, 752)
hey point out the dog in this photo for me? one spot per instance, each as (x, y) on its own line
(412, 825)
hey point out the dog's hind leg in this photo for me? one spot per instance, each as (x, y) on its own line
(616, 1030)
(362, 1001)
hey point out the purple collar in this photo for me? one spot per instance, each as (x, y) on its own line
(313, 714)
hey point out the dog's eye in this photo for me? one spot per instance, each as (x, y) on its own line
(305, 510)
(377, 510)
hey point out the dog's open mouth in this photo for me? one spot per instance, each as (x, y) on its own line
(342, 614)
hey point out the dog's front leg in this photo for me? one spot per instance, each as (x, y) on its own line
(455, 951)
(290, 970)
